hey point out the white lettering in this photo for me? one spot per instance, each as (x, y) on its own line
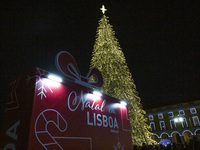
(74, 102)
(97, 107)
(99, 119)
(9, 146)
(88, 119)
(12, 131)
(114, 131)
(112, 111)
(94, 119)
(105, 121)
(110, 122)
(116, 124)
(102, 106)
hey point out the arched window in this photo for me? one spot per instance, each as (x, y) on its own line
(171, 114)
(193, 110)
(150, 117)
(195, 120)
(152, 125)
(162, 125)
(181, 112)
(172, 124)
(160, 116)
(184, 123)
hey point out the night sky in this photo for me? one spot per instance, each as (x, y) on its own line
(160, 41)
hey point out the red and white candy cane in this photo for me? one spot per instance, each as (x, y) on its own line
(44, 119)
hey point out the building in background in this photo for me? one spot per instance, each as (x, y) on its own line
(179, 122)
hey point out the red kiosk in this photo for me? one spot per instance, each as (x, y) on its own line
(51, 113)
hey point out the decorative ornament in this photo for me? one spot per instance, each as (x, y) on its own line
(118, 146)
(103, 9)
(42, 132)
(43, 85)
(66, 64)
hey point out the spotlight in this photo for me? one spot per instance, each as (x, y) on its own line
(123, 103)
(97, 93)
(181, 119)
(176, 119)
(54, 78)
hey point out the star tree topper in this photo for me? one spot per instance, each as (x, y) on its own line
(103, 9)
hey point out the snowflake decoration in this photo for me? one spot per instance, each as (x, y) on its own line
(44, 86)
(118, 146)
(42, 90)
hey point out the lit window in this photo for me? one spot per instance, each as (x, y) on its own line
(160, 116)
(195, 120)
(150, 117)
(172, 124)
(162, 125)
(184, 123)
(171, 114)
(181, 112)
(152, 125)
(193, 111)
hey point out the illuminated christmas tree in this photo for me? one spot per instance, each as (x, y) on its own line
(108, 57)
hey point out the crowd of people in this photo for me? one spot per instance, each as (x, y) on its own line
(192, 145)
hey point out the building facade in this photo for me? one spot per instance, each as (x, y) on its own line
(179, 123)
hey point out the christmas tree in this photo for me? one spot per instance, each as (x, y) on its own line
(108, 57)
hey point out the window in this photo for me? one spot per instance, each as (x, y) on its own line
(150, 117)
(193, 111)
(171, 114)
(162, 125)
(184, 123)
(181, 112)
(172, 124)
(153, 128)
(160, 116)
(195, 120)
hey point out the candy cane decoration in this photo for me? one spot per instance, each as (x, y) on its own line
(41, 130)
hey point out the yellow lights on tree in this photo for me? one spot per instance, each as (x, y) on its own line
(108, 57)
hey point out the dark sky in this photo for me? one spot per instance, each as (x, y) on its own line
(160, 40)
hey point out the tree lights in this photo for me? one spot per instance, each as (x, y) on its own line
(108, 57)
